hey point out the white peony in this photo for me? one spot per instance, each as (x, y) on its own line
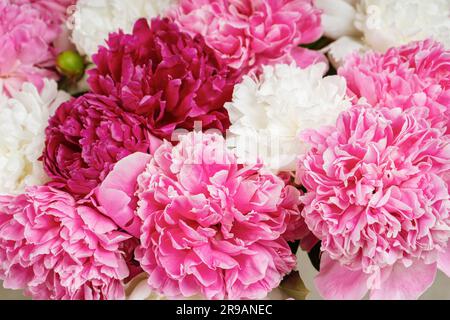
(269, 113)
(387, 23)
(381, 24)
(94, 20)
(23, 120)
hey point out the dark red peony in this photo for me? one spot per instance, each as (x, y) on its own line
(165, 76)
(86, 137)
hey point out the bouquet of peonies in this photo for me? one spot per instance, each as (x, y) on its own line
(175, 149)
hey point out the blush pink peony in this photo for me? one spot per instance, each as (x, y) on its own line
(54, 12)
(417, 74)
(54, 248)
(86, 137)
(209, 226)
(378, 201)
(165, 76)
(247, 33)
(27, 42)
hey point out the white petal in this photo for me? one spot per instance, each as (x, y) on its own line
(338, 18)
(23, 120)
(387, 23)
(94, 20)
(341, 48)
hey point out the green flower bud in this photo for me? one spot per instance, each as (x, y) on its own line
(70, 64)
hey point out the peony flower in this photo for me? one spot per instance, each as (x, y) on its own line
(57, 249)
(382, 24)
(95, 20)
(165, 76)
(86, 137)
(248, 34)
(387, 24)
(268, 113)
(55, 12)
(378, 202)
(210, 227)
(27, 37)
(417, 74)
(23, 118)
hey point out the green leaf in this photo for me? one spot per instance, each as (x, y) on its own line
(319, 44)
(294, 287)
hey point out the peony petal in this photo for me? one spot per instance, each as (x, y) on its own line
(403, 283)
(337, 18)
(340, 49)
(444, 261)
(338, 282)
(116, 193)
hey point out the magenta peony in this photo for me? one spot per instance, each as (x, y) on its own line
(248, 33)
(57, 249)
(417, 74)
(165, 76)
(210, 227)
(378, 202)
(27, 36)
(86, 137)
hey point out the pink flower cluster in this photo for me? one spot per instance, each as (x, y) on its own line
(144, 86)
(377, 182)
(247, 34)
(377, 198)
(128, 195)
(28, 33)
(55, 248)
(207, 226)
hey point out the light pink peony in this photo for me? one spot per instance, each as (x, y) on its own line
(417, 74)
(27, 36)
(209, 226)
(54, 12)
(57, 249)
(378, 202)
(247, 33)
(116, 195)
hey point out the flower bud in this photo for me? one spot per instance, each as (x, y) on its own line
(70, 64)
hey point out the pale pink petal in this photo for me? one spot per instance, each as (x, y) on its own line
(444, 261)
(305, 57)
(336, 282)
(116, 194)
(403, 283)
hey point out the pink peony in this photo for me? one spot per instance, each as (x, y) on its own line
(248, 33)
(86, 137)
(54, 12)
(27, 36)
(378, 202)
(57, 249)
(296, 227)
(210, 227)
(116, 195)
(165, 76)
(417, 74)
